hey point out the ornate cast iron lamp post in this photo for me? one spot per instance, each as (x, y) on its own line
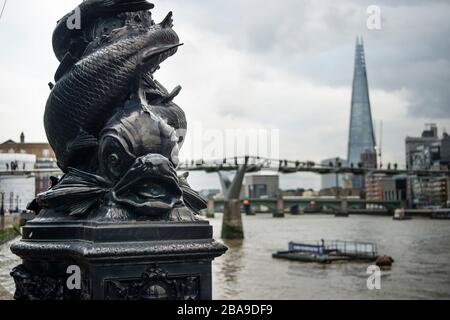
(120, 219)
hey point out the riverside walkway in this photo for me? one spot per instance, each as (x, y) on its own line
(4, 294)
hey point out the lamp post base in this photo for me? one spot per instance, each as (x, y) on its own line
(129, 261)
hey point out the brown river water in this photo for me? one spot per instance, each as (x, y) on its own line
(420, 248)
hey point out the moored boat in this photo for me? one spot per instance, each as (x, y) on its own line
(441, 214)
(330, 251)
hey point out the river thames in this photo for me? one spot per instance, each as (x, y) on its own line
(420, 248)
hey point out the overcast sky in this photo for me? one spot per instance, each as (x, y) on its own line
(285, 65)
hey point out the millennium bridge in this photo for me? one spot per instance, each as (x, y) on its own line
(255, 164)
(231, 204)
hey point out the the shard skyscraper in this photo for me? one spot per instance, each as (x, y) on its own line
(361, 145)
(362, 138)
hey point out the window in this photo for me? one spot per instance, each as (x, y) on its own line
(257, 190)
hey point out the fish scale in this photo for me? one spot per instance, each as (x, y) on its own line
(84, 98)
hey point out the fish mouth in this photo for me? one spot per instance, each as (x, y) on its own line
(152, 194)
(155, 55)
(151, 46)
(161, 45)
(150, 187)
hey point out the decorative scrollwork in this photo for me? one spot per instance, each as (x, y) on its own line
(34, 287)
(155, 284)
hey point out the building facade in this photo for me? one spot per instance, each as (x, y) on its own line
(293, 192)
(445, 149)
(210, 193)
(330, 181)
(430, 192)
(44, 158)
(340, 192)
(386, 188)
(17, 161)
(424, 152)
(438, 189)
(428, 152)
(42, 151)
(260, 186)
(373, 187)
(16, 191)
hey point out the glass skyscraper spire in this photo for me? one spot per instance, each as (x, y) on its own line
(361, 143)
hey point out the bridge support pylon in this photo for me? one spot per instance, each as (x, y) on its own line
(210, 213)
(279, 211)
(232, 226)
(344, 208)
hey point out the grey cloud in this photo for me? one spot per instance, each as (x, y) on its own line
(283, 64)
(315, 39)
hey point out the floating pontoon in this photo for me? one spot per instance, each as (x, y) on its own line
(329, 251)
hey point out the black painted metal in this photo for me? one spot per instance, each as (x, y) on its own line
(2, 204)
(120, 212)
(115, 260)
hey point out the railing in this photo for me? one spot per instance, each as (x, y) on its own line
(319, 201)
(307, 248)
(350, 248)
(337, 247)
(256, 164)
(288, 166)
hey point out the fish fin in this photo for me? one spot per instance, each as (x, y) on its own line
(84, 140)
(157, 51)
(34, 206)
(66, 64)
(53, 181)
(76, 193)
(185, 175)
(149, 81)
(81, 208)
(125, 5)
(175, 92)
(168, 21)
(193, 199)
(161, 87)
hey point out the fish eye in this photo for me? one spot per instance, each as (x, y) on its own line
(113, 159)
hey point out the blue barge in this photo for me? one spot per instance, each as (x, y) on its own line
(329, 251)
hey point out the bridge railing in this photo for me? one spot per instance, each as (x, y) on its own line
(256, 164)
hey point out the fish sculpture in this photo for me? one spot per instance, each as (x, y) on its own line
(115, 129)
(100, 83)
